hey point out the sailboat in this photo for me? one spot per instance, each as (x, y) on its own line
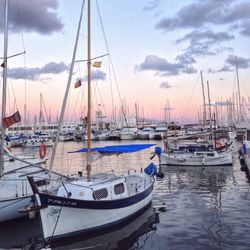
(15, 191)
(196, 155)
(96, 201)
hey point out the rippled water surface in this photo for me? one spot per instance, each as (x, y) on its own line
(192, 208)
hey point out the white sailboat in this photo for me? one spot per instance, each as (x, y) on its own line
(94, 202)
(196, 158)
(15, 191)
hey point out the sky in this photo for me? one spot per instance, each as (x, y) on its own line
(156, 48)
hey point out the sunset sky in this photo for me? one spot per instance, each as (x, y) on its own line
(157, 47)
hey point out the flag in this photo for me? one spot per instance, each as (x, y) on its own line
(10, 120)
(97, 64)
(151, 169)
(78, 84)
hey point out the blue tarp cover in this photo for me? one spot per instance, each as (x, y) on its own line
(116, 149)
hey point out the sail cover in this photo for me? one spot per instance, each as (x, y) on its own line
(116, 149)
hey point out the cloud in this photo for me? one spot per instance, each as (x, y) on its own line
(158, 64)
(33, 16)
(164, 68)
(245, 29)
(185, 59)
(53, 68)
(230, 63)
(241, 62)
(150, 5)
(34, 73)
(165, 85)
(201, 13)
(96, 75)
(207, 36)
(226, 68)
(201, 43)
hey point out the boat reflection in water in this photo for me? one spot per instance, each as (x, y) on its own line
(137, 232)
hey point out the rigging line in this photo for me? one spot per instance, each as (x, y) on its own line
(111, 89)
(58, 216)
(25, 66)
(85, 60)
(68, 104)
(96, 101)
(111, 62)
(8, 94)
(15, 100)
(98, 89)
(191, 97)
(83, 101)
(20, 22)
(94, 85)
(75, 107)
(18, 54)
(47, 117)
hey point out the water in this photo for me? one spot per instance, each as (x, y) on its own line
(192, 208)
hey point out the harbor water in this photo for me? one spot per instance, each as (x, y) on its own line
(192, 207)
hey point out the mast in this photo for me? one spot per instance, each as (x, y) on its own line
(4, 65)
(239, 96)
(136, 115)
(204, 102)
(66, 93)
(88, 167)
(210, 113)
(40, 113)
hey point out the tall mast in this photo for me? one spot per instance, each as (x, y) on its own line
(40, 113)
(238, 84)
(4, 65)
(210, 113)
(204, 102)
(60, 121)
(136, 115)
(88, 168)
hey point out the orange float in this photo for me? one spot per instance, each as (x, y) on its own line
(42, 151)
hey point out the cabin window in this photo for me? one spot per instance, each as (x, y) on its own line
(119, 188)
(210, 154)
(100, 194)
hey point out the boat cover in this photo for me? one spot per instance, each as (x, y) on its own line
(116, 149)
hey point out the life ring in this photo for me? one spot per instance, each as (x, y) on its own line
(42, 151)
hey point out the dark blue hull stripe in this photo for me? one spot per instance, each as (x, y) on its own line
(53, 200)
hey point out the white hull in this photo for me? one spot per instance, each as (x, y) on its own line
(196, 160)
(9, 208)
(104, 201)
(143, 136)
(38, 144)
(15, 190)
(73, 220)
(128, 136)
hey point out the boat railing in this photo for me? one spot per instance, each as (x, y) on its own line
(17, 187)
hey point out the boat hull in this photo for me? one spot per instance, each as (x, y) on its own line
(182, 160)
(128, 136)
(9, 208)
(68, 216)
